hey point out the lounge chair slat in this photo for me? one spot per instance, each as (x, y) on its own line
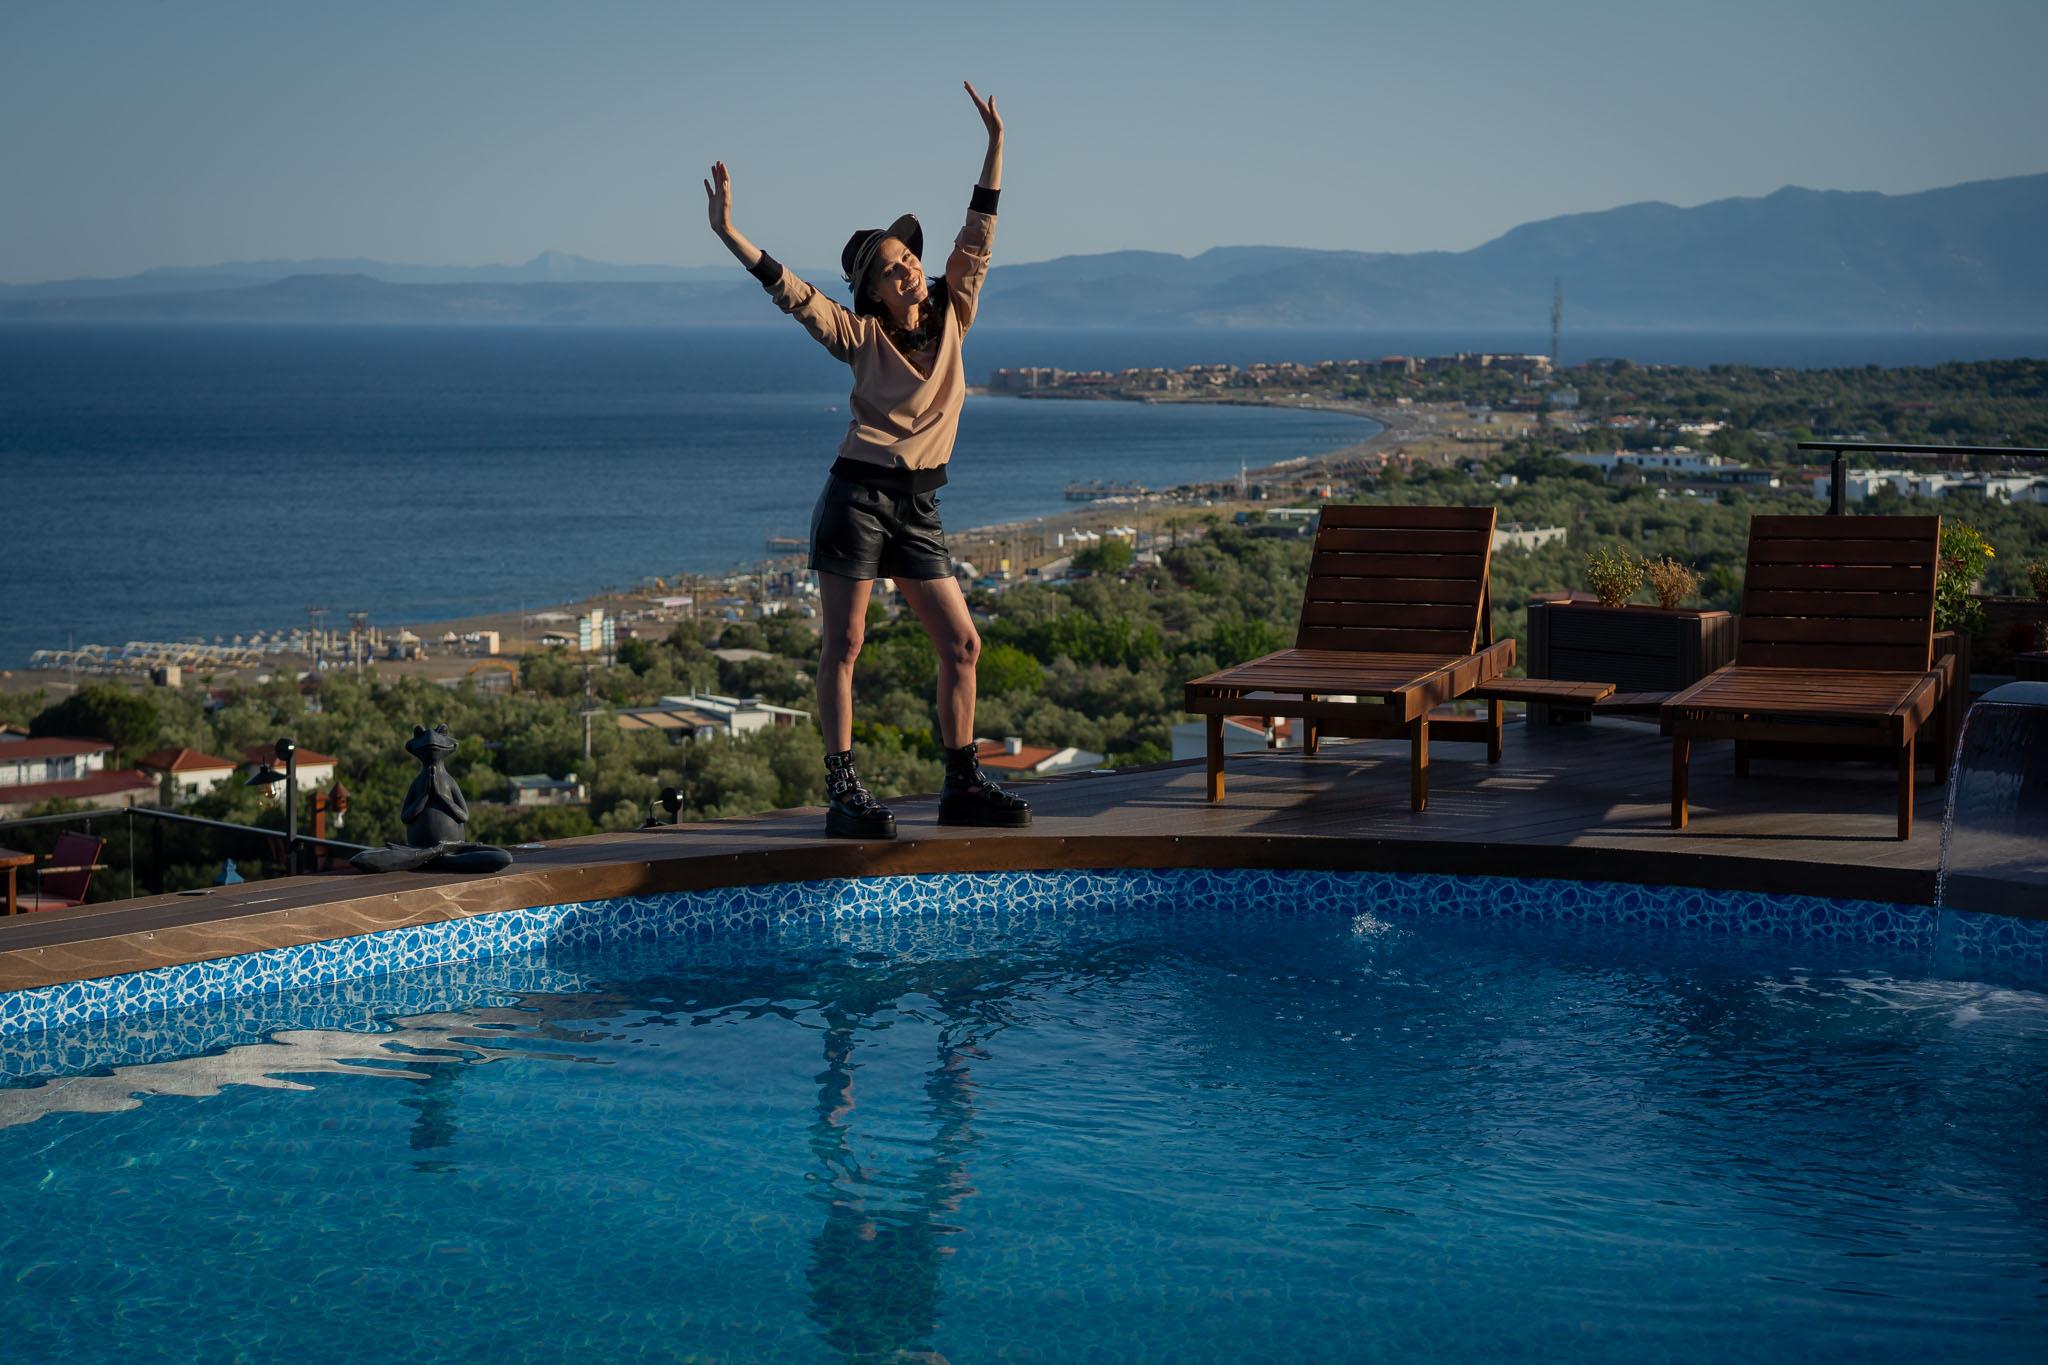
(1401, 616)
(1772, 654)
(1858, 630)
(1408, 518)
(1822, 527)
(1365, 638)
(1876, 605)
(1877, 553)
(1454, 592)
(1348, 565)
(1459, 542)
(1842, 577)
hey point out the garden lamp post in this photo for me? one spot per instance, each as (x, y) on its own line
(287, 753)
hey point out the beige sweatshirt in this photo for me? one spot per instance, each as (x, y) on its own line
(902, 419)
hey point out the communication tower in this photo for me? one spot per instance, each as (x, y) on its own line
(1556, 315)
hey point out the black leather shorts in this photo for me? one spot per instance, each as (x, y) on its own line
(862, 532)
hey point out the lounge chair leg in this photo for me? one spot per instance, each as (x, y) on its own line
(1309, 737)
(1906, 789)
(1215, 729)
(1742, 758)
(1418, 764)
(1493, 729)
(1681, 759)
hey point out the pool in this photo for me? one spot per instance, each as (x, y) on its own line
(1139, 1117)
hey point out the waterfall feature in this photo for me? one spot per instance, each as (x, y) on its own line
(1994, 839)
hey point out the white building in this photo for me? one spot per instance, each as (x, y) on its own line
(1677, 460)
(1014, 758)
(539, 789)
(1858, 484)
(1515, 535)
(182, 774)
(26, 762)
(314, 770)
(702, 714)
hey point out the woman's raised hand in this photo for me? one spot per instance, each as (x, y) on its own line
(987, 109)
(718, 190)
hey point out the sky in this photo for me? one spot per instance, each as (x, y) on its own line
(453, 133)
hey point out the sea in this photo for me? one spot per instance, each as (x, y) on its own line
(181, 482)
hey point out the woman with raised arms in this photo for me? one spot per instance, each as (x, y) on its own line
(878, 516)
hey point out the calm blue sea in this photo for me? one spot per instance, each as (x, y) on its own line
(174, 482)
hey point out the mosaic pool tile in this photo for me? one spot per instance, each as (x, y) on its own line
(980, 907)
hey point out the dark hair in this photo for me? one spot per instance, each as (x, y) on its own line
(866, 305)
(936, 300)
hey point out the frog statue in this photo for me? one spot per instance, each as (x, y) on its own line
(436, 819)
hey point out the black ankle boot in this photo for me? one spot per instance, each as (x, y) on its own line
(854, 812)
(970, 798)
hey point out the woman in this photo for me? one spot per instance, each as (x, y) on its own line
(878, 516)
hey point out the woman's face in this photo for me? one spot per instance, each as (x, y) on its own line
(899, 278)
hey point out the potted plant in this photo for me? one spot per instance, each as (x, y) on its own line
(2032, 664)
(1638, 648)
(2001, 626)
(1958, 614)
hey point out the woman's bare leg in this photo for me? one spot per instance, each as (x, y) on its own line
(942, 611)
(842, 625)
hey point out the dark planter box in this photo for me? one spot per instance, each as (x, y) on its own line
(1638, 649)
(2012, 625)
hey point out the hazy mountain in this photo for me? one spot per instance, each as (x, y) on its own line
(550, 267)
(1966, 257)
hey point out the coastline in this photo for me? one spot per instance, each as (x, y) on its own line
(1394, 427)
(1026, 541)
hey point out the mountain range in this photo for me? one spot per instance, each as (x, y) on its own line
(1967, 257)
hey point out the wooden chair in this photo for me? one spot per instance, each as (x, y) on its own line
(66, 878)
(1835, 648)
(1396, 618)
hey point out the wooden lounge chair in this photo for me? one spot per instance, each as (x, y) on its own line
(1396, 619)
(66, 878)
(1835, 648)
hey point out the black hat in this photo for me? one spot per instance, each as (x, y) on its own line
(859, 253)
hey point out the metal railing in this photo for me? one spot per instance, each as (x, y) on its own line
(1838, 471)
(158, 819)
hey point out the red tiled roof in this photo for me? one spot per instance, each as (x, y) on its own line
(78, 788)
(1025, 760)
(52, 748)
(267, 753)
(185, 761)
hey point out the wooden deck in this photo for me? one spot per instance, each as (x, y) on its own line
(1582, 801)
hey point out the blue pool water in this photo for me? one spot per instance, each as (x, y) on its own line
(1137, 1133)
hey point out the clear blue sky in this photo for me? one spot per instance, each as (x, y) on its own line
(463, 133)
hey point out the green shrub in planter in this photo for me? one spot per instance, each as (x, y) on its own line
(1964, 555)
(1613, 576)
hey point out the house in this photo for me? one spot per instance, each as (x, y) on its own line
(29, 762)
(1014, 758)
(739, 715)
(182, 774)
(97, 790)
(1517, 536)
(702, 714)
(315, 770)
(1241, 735)
(538, 789)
